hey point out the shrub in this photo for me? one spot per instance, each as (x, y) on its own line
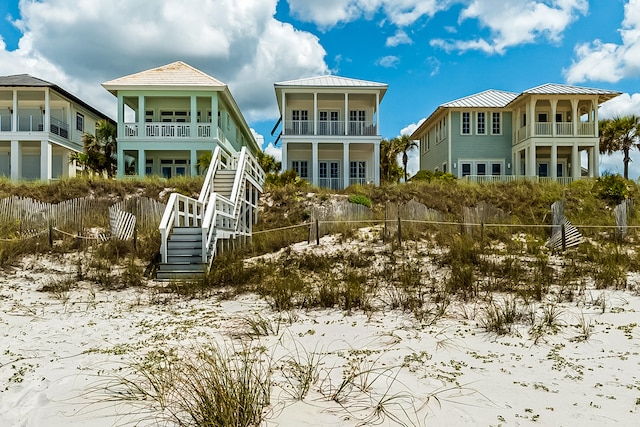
(612, 188)
(360, 199)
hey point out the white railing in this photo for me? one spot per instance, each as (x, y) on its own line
(564, 180)
(329, 127)
(216, 215)
(5, 122)
(587, 129)
(332, 183)
(169, 130)
(543, 128)
(564, 129)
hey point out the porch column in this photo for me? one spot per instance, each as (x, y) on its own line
(575, 118)
(531, 112)
(283, 115)
(554, 107)
(345, 165)
(142, 116)
(194, 162)
(595, 117)
(47, 112)
(315, 113)
(283, 161)
(346, 114)
(214, 115)
(15, 160)
(194, 122)
(142, 163)
(376, 163)
(575, 162)
(596, 159)
(314, 163)
(591, 159)
(514, 164)
(120, 163)
(14, 112)
(378, 122)
(45, 160)
(531, 166)
(120, 119)
(554, 161)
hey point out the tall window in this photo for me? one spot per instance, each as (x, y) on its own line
(357, 122)
(495, 123)
(301, 167)
(481, 125)
(80, 122)
(466, 123)
(358, 170)
(300, 120)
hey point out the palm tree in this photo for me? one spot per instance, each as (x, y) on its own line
(389, 169)
(106, 133)
(204, 160)
(267, 162)
(405, 144)
(620, 134)
(100, 150)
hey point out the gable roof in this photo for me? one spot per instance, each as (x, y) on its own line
(26, 80)
(175, 75)
(560, 89)
(489, 98)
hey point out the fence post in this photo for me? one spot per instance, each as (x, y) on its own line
(384, 227)
(482, 232)
(564, 238)
(50, 236)
(135, 239)
(317, 232)
(399, 229)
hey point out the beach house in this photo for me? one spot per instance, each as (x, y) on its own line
(41, 127)
(171, 115)
(330, 129)
(547, 132)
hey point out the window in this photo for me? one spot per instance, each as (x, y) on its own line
(466, 169)
(542, 117)
(148, 116)
(328, 123)
(357, 170)
(174, 116)
(300, 120)
(148, 170)
(496, 169)
(495, 123)
(357, 122)
(481, 128)
(444, 167)
(80, 122)
(466, 123)
(301, 168)
(481, 169)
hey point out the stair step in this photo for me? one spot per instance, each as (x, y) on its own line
(179, 275)
(180, 266)
(186, 230)
(185, 251)
(184, 244)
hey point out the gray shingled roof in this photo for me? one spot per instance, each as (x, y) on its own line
(26, 80)
(489, 98)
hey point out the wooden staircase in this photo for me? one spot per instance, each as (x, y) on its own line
(191, 229)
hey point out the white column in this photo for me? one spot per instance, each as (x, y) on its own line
(14, 116)
(214, 115)
(532, 119)
(193, 133)
(346, 114)
(142, 116)
(47, 112)
(376, 163)
(378, 120)
(142, 163)
(120, 118)
(45, 160)
(283, 115)
(575, 162)
(575, 118)
(120, 160)
(314, 163)
(194, 161)
(283, 162)
(554, 160)
(345, 164)
(315, 113)
(554, 106)
(531, 167)
(596, 160)
(15, 160)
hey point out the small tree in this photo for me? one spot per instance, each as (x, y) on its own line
(99, 154)
(620, 134)
(405, 144)
(389, 169)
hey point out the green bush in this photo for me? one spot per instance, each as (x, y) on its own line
(428, 176)
(360, 199)
(612, 188)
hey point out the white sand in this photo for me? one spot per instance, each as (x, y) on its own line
(59, 352)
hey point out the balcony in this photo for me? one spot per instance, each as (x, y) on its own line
(562, 130)
(171, 130)
(512, 178)
(328, 128)
(35, 123)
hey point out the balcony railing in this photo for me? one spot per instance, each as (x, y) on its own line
(169, 130)
(563, 129)
(332, 183)
(352, 128)
(30, 123)
(5, 123)
(59, 128)
(564, 180)
(34, 123)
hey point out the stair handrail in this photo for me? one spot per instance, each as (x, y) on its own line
(207, 186)
(190, 214)
(248, 167)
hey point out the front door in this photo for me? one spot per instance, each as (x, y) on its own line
(329, 174)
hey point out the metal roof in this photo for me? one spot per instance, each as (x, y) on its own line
(560, 89)
(332, 81)
(175, 75)
(489, 98)
(26, 80)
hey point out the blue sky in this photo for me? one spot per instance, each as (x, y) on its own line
(427, 51)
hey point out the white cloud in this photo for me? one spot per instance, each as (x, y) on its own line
(388, 61)
(80, 44)
(516, 22)
(274, 151)
(329, 13)
(610, 62)
(400, 37)
(622, 105)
